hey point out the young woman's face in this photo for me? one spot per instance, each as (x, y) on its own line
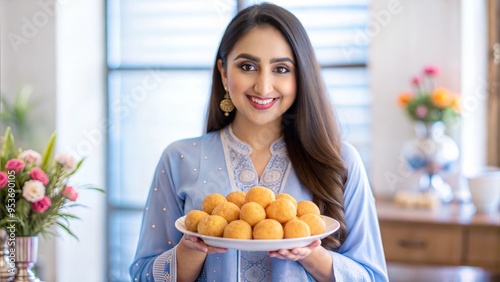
(260, 76)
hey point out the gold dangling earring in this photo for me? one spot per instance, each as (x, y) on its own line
(226, 105)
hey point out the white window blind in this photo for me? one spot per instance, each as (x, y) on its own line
(159, 58)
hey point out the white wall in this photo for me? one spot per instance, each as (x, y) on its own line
(420, 33)
(81, 98)
(58, 47)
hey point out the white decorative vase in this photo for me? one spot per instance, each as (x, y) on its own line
(432, 153)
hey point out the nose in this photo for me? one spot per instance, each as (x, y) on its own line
(264, 84)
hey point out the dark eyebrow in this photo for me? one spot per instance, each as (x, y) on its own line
(247, 56)
(278, 60)
(255, 59)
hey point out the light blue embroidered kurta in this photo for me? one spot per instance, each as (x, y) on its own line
(219, 162)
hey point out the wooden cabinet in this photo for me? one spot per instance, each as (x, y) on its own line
(449, 235)
(482, 246)
(422, 243)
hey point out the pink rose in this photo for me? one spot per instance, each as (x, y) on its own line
(31, 157)
(421, 111)
(37, 173)
(4, 179)
(431, 70)
(16, 165)
(70, 193)
(42, 205)
(415, 80)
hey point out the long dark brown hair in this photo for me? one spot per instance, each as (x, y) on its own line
(310, 129)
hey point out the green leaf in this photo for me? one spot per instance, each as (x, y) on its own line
(67, 230)
(68, 215)
(22, 107)
(96, 189)
(7, 114)
(8, 144)
(76, 167)
(47, 154)
(75, 205)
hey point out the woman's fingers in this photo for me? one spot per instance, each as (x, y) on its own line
(295, 253)
(196, 243)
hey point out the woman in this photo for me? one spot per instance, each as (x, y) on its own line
(270, 124)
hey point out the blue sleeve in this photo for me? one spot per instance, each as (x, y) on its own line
(361, 256)
(155, 255)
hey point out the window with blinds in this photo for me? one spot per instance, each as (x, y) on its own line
(159, 58)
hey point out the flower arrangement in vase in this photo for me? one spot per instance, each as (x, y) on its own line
(35, 193)
(432, 108)
(427, 102)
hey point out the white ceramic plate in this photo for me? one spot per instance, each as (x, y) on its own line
(260, 245)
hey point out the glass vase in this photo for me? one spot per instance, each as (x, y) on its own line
(6, 271)
(26, 256)
(433, 153)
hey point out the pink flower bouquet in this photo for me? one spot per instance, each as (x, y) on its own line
(34, 190)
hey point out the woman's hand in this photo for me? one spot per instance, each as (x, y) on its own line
(295, 254)
(191, 253)
(195, 243)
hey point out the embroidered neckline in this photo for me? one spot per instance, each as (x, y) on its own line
(277, 147)
(242, 174)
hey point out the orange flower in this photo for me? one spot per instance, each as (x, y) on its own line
(404, 98)
(455, 104)
(441, 97)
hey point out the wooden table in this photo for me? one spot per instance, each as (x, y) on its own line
(450, 235)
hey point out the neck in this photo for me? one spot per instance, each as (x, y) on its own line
(259, 137)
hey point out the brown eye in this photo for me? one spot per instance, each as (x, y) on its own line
(247, 67)
(282, 70)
